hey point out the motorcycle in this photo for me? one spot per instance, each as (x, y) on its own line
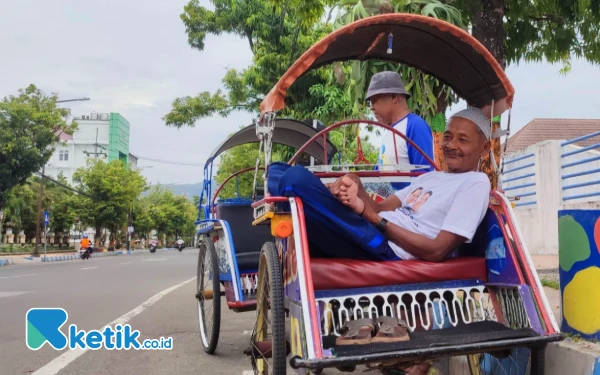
(85, 253)
(180, 246)
(152, 247)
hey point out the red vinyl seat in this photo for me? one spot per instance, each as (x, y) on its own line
(350, 273)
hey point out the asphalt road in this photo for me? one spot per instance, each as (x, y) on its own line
(95, 293)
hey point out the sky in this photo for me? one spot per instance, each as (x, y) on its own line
(132, 57)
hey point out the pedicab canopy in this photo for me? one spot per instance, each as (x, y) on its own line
(435, 47)
(287, 132)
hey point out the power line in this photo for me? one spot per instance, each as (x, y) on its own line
(64, 186)
(173, 162)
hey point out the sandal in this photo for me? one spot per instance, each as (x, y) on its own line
(391, 330)
(356, 332)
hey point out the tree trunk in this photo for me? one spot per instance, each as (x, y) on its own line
(488, 28)
(97, 236)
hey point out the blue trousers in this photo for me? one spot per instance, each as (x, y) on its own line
(333, 230)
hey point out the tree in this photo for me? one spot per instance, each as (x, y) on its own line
(30, 124)
(277, 37)
(61, 207)
(512, 30)
(111, 189)
(534, 31)
(171, 216)
(20, 208)
(142, 221)
(429, 97)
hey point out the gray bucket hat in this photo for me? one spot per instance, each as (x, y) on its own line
(478, 117)
(386, 83)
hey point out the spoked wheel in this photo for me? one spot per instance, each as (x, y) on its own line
(268, 346)
(208, 293)
(515, 362)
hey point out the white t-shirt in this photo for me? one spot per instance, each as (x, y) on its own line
(436, 201)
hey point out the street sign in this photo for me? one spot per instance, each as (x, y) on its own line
(46, 217)
(130, 229)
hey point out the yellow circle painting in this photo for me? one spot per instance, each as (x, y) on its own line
(581, 301)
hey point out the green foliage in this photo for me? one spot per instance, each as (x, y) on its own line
(426, 91)
(21, 206)
(62, 202)
(236, 159)
(277, 36)
(29, 126)
(551, 283)
(171, 216)
(113, 188)
(555, 31)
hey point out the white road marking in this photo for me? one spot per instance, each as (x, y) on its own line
(11, 294)
(126, 262)
(246, 333)
(88, 268)
(247, 372)
(62, 361)
(156, 260)
(9, 277)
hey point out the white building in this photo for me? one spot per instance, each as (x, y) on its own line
(102, 136)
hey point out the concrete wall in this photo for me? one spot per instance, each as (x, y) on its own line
(537, 209)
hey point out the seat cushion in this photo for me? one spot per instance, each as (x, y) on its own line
(350, 273)
(248, 261)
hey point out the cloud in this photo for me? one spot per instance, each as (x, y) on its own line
(132, 57)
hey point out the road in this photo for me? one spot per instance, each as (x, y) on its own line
(95, 292)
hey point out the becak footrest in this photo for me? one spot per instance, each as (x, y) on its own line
(350, 273)
(478, 332)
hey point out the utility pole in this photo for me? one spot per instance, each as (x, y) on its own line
(96, 145)
(129, 226)
(40, 197)
(39, 212)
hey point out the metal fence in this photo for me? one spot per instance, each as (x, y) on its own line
(518, 179)
(579, 168)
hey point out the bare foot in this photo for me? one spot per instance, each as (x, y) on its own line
(348, 195)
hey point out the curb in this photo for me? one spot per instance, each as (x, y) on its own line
(61, 258)
(573, 358)
(94, 255)
(6, 262)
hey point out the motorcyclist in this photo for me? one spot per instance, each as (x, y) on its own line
(86, 244)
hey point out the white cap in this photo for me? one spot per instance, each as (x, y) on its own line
(478, 117)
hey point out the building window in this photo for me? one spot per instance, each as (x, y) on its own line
(63, 155)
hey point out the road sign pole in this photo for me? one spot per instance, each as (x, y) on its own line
(45, 239)
(46, 220)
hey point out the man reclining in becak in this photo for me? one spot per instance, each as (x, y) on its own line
(427, 220)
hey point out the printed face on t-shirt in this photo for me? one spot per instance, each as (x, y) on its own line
(422, 201)
(414, 195)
